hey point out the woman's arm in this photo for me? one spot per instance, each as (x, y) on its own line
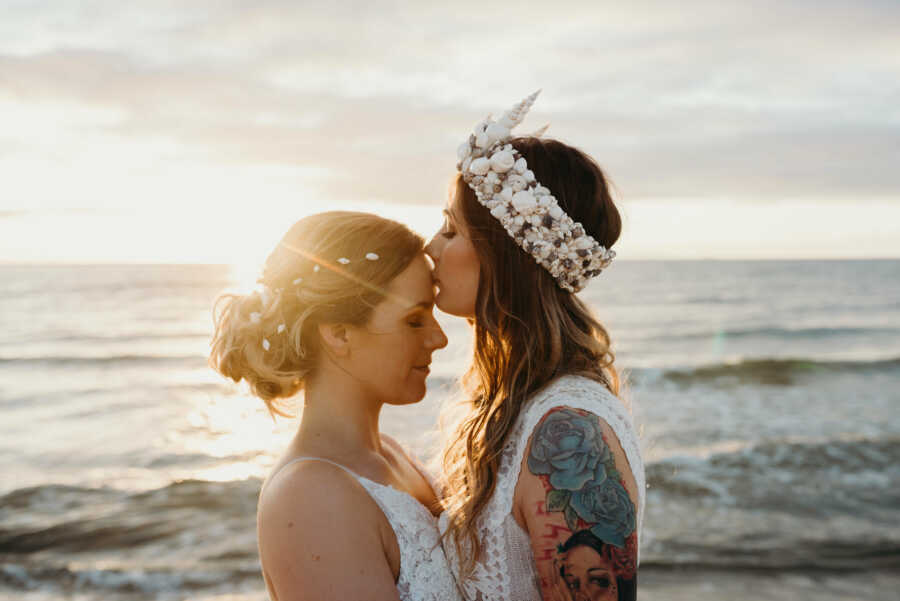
(323, 538)
(577, 499)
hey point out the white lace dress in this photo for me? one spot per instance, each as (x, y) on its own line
(424, 572)
(506, 571)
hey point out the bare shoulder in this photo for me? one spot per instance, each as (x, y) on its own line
(321, 536)
(577, 497)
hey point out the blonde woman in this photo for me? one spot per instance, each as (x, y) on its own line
(344, 314)
(544, 474)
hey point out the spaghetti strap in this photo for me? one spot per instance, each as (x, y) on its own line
(310, 458)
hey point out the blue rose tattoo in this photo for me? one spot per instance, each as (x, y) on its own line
(569, 448)
(608, 507)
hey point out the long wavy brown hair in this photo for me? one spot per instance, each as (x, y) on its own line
(528, 331)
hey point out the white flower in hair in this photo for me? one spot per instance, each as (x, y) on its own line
(344, 261)
(372, 256)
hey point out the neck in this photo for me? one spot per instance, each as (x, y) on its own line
(340, 419)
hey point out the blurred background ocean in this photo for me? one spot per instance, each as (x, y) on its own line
(766, 393)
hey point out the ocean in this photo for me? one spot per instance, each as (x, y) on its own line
(766, 394)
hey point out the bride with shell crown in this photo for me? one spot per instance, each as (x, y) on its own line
(343, 313)
(543, 474)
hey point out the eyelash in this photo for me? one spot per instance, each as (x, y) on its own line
(447, 233)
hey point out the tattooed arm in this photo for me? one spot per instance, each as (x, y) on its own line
(577, 499)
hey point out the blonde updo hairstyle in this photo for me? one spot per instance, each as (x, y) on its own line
(336, 292)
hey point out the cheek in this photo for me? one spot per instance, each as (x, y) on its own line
(459, 269)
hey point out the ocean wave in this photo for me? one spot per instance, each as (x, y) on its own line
(772, 371)
(75, 519)
(828, 504)
(63, 577)
(757, 552)
(825, 478)
(108, 360)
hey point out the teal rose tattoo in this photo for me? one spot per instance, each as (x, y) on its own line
(569, 448)
(606, 505)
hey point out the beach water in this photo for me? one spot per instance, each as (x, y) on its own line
(766, 394)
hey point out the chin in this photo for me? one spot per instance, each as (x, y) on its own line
(409, 396)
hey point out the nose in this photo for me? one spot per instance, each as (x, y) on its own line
(437, 339)
(432, 249)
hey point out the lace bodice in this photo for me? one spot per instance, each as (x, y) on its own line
(506, 571)
(424, 572)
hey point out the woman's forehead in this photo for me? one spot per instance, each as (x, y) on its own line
(413, 288)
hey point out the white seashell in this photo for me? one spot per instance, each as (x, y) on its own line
(555, 212)
(496, 132)
(298, 281)
(344, 261)
(492, 177)
(265, 344)
(372, 256)
(465, 164)
(506, 193)
(524, 201)
(281, 328)
(583, 242)
(482, 140)
(516, 182)
(506, 122)
(463, 151)
(502, 161)
(541, 190)
(480, 166)
(529, 175)
(521, 165)
(499, 211)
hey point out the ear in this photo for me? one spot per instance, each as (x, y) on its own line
(335, 338)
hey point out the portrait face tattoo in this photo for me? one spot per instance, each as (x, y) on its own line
(587, 575)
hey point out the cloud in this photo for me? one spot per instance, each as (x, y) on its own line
(759, 101)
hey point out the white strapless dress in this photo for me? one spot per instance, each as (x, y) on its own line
(506, 571)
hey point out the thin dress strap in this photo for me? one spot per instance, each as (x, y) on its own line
(310, 458)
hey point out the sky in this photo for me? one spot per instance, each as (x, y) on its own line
(172, 131)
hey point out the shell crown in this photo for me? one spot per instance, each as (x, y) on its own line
(530, 214)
